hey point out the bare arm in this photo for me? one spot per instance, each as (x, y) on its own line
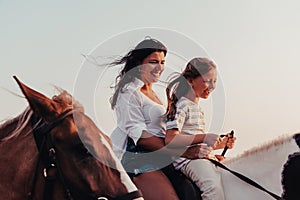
(151, 142)
(176, 139)
(154, 143)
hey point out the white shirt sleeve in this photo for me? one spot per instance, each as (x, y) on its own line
(129, 113)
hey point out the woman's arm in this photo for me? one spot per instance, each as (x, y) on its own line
(151, 142)
(154, 143)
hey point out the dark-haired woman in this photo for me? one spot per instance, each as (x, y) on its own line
(138, 139)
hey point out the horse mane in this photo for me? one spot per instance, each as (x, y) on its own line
(15, 125)
(264, 147)
(21, 121)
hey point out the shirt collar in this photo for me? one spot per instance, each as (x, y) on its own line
(138, 83)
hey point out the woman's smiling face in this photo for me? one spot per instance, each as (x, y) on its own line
(152, 67)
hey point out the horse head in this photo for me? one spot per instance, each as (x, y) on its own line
(83, 159)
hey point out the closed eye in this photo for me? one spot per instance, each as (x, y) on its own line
(210, 81)
(156, 62)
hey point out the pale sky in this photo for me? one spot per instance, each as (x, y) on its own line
(254, 43)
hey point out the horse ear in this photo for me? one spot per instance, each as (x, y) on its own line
(39, 103)
(297, 139)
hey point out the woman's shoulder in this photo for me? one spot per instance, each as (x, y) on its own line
(131, 93)
(134, 85)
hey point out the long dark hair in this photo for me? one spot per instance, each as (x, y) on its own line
(178, 85)
(133, 59)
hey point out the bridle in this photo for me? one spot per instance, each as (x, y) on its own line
(51, 168)
(241, 176)
(246, 179)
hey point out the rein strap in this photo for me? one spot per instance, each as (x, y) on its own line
(47, 155)
(246, 179)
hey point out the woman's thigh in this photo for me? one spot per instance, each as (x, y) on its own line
(155, 186)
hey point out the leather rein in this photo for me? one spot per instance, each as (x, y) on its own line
(241, 176)
(246, 179)
(51, 168)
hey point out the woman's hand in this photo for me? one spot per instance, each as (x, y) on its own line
(197, 151)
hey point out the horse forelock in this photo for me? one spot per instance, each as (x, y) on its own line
(261, 148)
(67, 100)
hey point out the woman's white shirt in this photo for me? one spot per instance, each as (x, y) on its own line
(135, 113)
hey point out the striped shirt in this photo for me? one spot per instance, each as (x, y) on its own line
(189, 118)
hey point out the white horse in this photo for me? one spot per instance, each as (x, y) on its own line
(263, 165)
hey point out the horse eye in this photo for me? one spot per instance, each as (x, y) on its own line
(83, 149)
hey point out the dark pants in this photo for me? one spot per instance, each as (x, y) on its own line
(185, 188)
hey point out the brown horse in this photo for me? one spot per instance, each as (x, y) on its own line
(54, 151)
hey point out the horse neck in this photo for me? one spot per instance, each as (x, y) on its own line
(7, 128)
(264, 164)
(20, 156)
(118, 169)
(275, 152)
